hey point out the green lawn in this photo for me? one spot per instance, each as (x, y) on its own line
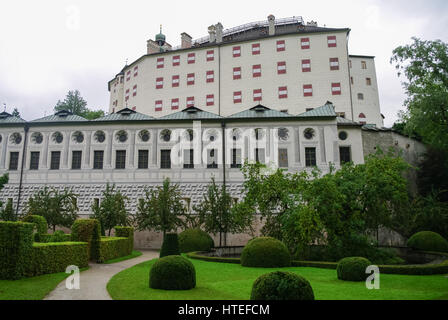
(222, 281)
(35, 288)
(134, 254)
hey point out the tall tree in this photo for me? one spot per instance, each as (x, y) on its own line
(425, 66)
(73, 102)
(4, 213)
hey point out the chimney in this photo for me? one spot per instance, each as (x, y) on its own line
(186, 40)
(152, 46)
(212, 33)
(219, 29)
(271, 20)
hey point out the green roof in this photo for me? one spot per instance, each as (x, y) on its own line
(62, 116)
(326, 110)
(5, 117)
(343, 121)
(259, 112)
(125, 114)
(191, 113)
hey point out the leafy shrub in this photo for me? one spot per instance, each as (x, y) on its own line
(265, 252)
(8, 214)
(170, 245)
(112, 248)
(172, 273)
(56, 257)
(58, 236)
(126, 232)
(281, 286)
(16, 243)
(428, 241)
(192, 240)
(61, 237)
(353, 269)
(40, 224)
(88, 230)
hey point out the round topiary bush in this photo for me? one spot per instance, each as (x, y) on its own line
(353, 269)
(170, 245)
(265, 252)
(172, 273)
(281, 285)
(195, 240)
(428, 241)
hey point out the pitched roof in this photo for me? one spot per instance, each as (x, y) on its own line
(259, 111)
(125, 114)
(191, 113)
(327, 110)
(347, 122)
(62, 116)
(5, 117)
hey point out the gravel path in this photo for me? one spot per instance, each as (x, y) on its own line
(94, 280)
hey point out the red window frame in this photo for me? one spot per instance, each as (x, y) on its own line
(128, 75)
(134, 108)
(236, 51)
(334, 88)
(256, 49)
(127, 95)
(158, 105)
(173, 83)
(190, 102)
(210, 100)
(281, 45)
(158, 84)
(210, 79)
(236, 76)
(237, 97)
(210, 55)
(280, 69)
(174, 103)
(306, 65)
(306, 90)
(305, 43)
(257, 94)
(160, 63)
(191, 58)
(281, 92)
(190, 81)
(135, 71)
(176, 61)
(134, 91)
(256, 70)
(331, 43)
(334, 67)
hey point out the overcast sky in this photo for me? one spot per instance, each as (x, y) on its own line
(50, 47)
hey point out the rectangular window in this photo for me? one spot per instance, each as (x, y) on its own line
(127, 95)
(176, 61)
(281, 45)
(336, 89)
(210, 76)
(190, 101)
(368, 81)
(306, 65)
(175, 104)
(188, 159)
(165, 159)
(283, 158)
(363, 65)
(331, 41)
(55, 160)
(256, 70)
(351, 80)
(210, 100)
(76, 160)
(160, 63)
(236, 158)
(282, 92)
(307, 90)
(310, 157)
(135, 71)
(159, 105)
(143, 159)
(257, 95)
(281, 67)
(360, 96)
(98, 159)
(212, 159)
(120, 159)
(345, 155)
(341, 114)
(255, 48)
(334, 64)
(159, 83)
(190, 79)
(237, 97)
(134, 91)
(191, 58)
(13, 161)
(175, 81)
(236, 51)
(211, 55)
(236, 73)
(128, 75)
(305, 43)
(259, 155)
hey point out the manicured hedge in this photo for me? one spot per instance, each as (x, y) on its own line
(198, 256)
(126, 232)
(280, 285)
(192, 240)
(16, 245)
(113, 247)
(428, 241)
(353, 269)
(170, 245)
(40, 224)
(172, 273)
(56, 257)
(88, 230)
(45, 238)
(265, 252)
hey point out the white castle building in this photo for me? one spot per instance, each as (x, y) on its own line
(258, 92)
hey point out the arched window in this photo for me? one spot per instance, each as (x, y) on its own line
(362, 116)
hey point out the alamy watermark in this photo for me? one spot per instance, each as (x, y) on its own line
(72, 282)
(373, 280)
